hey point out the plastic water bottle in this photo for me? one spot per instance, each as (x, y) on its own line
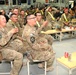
(69, 57)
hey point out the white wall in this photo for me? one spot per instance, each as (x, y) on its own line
(42, 1)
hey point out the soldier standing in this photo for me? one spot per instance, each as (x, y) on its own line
(38, 46)
(8, 53)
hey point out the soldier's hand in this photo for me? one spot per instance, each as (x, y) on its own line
(67, 23)
(14, 30)
(45, 23)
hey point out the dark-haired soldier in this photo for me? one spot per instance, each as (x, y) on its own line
(37, 45)
(13, 23)
(4, 13)
(50, 17)
(21, 18)
(66, 18)
(40, 22)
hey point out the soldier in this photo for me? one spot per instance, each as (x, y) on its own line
(49, 14)
(16, 11)
(21, 18)
(8, 53)
(13, 23)
(17, 40)
(40, 22)
(39, 48)
(66, 18)
(50, 17)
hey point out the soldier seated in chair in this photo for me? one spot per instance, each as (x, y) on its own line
(38, 46)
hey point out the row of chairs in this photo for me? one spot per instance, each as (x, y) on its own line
(28, 66)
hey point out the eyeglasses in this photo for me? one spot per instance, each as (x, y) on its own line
(39, 15)
(32, 18)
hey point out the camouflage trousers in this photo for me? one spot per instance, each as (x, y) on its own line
(16, 57)
(49, 39)
(45, 56)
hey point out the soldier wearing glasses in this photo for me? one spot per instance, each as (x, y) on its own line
(38, 46)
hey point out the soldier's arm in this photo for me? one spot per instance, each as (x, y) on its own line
(5, 38)
(42, 26)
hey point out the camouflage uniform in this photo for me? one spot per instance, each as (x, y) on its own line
(21, 21)
(17, 43)
(66, 19)
(38, 46)
(50, 17)
(11, 24)
(48, 27)
(8, 53)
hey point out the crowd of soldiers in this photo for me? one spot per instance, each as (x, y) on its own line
(20, 33)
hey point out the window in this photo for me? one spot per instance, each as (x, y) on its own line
(2, 2)
(23, 1)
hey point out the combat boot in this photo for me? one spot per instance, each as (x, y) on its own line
(49, 68)
(40, 65)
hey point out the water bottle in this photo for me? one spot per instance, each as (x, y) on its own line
(69, 57)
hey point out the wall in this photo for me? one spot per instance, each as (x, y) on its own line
(42, 1)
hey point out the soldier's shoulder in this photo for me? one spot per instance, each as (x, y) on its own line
(27, 26)
(9, 22)
(62, 15)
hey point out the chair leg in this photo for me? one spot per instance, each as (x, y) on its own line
(28, 67)
(45, 67)
(11, 64)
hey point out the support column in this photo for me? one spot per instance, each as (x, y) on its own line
(16, 2)
(10, 3)
(59, 1)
